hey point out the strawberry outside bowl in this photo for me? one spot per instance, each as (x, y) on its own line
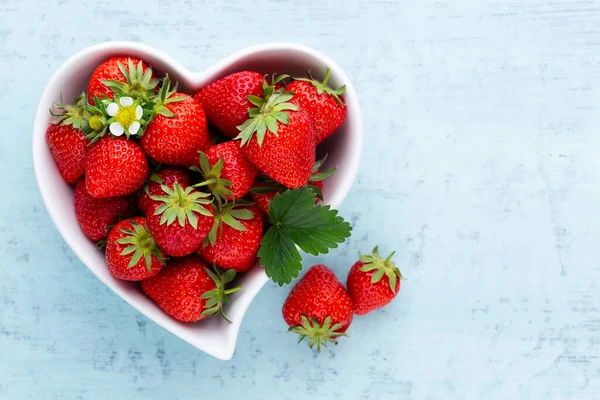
(212, 335)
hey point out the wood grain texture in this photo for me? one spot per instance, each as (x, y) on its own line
(480, 168)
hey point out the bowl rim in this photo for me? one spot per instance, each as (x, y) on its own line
(39, 145)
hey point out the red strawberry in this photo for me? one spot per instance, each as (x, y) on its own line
(179, 130)
(265, 189)
(226, 170)
(235, 237)
(180, 220)
(318, 307)
(166, 176)
(262, 194)
(131, 253)
(66, 139)
(321, 102)
(96, 215)
(373, 282)
(279, 138)
(188, 290)
(226, 101)
(115, 166)
(123, 75)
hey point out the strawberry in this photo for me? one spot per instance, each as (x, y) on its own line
(226, 101)
(262, 194)
(373, 282)
(318, 307)
(114, 166)
(279, 138)
(166, 176)
(321, 102)
(131, 252)
(235, 237)
(265, 189)
(226, 170)
(95, 216)
(66, 139)
(180, 220)
(123, 75)
(188, 290)
(178, 131)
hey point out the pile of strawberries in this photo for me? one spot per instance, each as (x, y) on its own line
(180, 189)
(320, 309)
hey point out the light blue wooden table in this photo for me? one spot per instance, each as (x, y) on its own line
(481, 167)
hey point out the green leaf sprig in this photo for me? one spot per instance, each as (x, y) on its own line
(298, 224)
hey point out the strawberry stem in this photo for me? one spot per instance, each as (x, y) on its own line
(327, 73)
(233, 290)
(206, 183)
(180, 195)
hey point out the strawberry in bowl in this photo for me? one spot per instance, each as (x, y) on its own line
(133, 126)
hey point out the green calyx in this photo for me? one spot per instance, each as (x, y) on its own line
(140, 243)
(181, 205)
(270, 110)
(230, 215)
(317, 334)
(219, 187)
(322, 87)
(74, 115)
(216, 297)
(381, 266)
(164, 97)
(138, 84)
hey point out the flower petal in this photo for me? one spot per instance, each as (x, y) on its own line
(126, 101)
(134, 128)
(112, 109)
(116, 129)
(138, 112)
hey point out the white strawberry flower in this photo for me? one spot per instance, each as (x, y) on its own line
(125, 116)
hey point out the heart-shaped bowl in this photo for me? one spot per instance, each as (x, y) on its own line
(212, 335)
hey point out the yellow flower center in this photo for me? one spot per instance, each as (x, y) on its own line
(125, 116)
(95, 123)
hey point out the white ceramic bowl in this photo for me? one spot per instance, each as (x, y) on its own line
(214, 336)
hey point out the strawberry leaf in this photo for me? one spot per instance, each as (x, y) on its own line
(280, 257)
(298, 223)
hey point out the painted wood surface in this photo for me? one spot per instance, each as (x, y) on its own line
(480, 168)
